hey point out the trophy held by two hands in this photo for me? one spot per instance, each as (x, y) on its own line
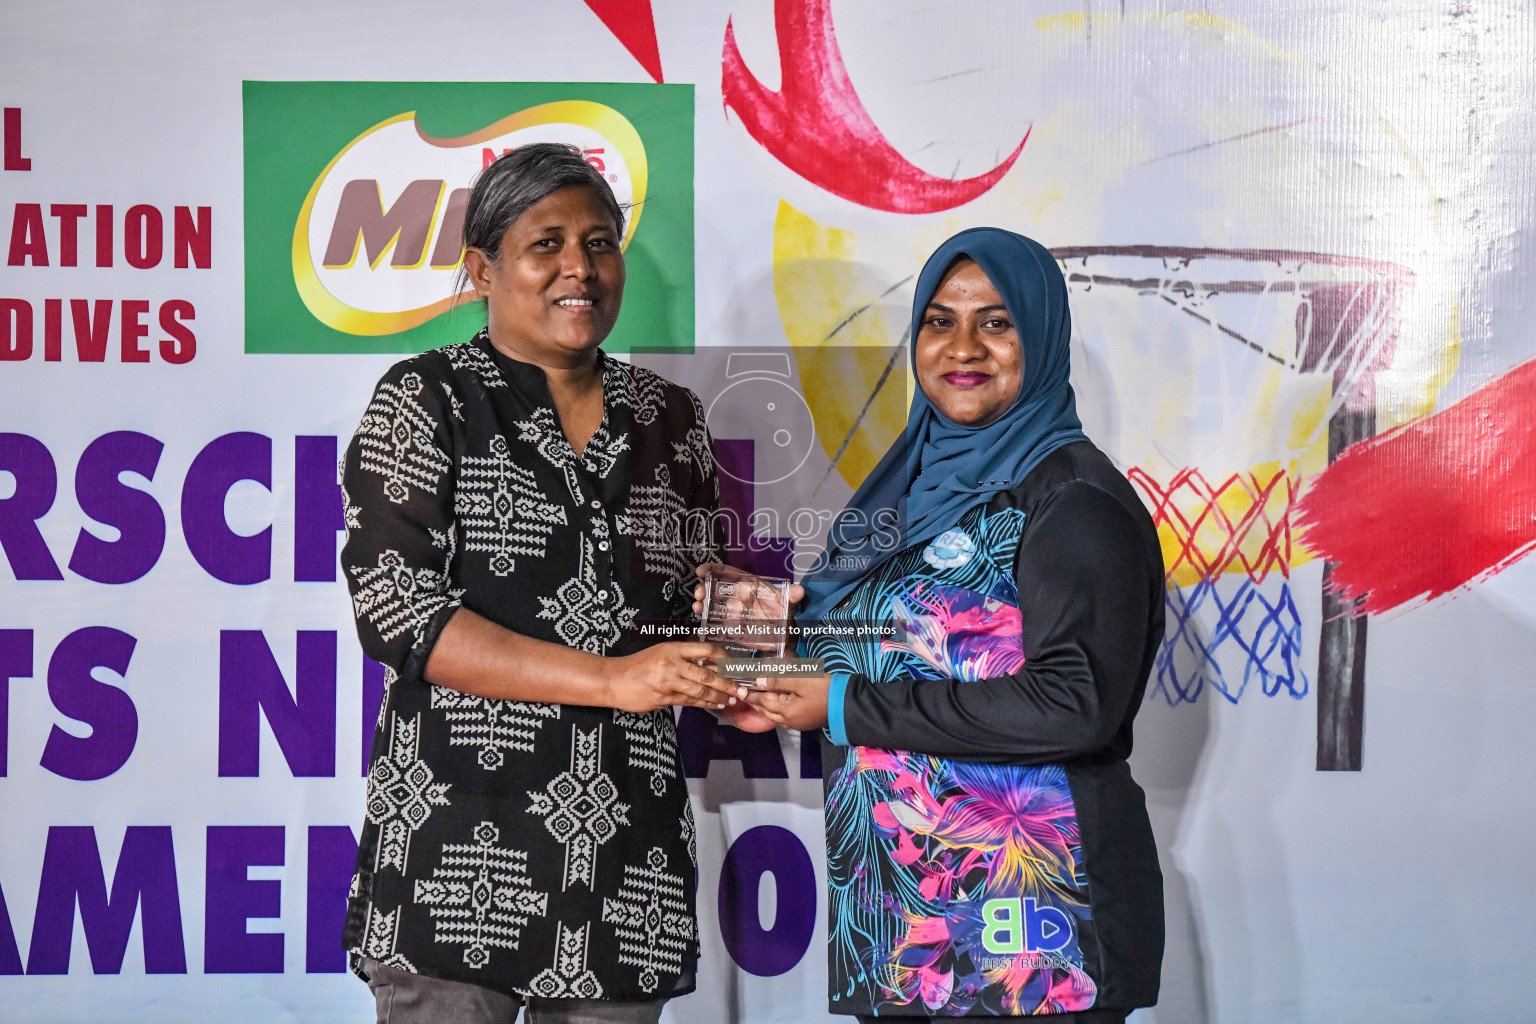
(748, 615)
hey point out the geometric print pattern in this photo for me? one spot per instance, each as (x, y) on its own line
(395, 597)
(645, 394)
(652, 737)
(480, 896)
(491, 725)
(690, 833)
(454, 405)
(401, 794)
(656, 519)
(581, 616)
(602, 454)
(468, 356)
(391, 677)
(542, 430)
(503, 511)
(695, 448)
(651, 916)
(581, 808)
(396, 440)
(381, 933)
(568, 977)
(461, 489)
(350, 513)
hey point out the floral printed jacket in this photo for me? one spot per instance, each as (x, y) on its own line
(990, 854)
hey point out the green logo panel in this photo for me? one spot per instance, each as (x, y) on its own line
(354, 203)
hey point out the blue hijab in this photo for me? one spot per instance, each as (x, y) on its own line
(941, 469)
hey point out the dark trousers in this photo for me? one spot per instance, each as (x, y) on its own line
(401, 997)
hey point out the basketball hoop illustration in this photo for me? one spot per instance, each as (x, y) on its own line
(1296, 334)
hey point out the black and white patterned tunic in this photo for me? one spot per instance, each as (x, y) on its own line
(537, 849)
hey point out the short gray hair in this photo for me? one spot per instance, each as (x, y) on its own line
(527, 175)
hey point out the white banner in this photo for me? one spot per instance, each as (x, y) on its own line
(1288, 231)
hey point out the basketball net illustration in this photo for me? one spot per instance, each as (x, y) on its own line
(1219, 379)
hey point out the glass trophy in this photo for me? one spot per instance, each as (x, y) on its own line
(746, 614)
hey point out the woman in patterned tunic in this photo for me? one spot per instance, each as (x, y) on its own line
(990, 854)
(511, 506)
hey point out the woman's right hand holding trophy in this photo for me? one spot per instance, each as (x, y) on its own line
(749, 615)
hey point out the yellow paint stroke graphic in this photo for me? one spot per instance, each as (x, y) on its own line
(340, 316)
(843, 339)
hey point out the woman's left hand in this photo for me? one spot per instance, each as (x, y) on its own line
(745, 717)
(795, 702)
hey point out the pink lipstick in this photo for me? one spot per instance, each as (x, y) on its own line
(966, 379)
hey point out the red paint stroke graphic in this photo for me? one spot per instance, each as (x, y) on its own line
(816, 126)
(632, 22)
(1432, 506)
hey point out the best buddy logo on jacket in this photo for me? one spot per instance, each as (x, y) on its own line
(355, 195)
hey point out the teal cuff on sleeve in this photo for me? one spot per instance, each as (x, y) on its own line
(835, 696)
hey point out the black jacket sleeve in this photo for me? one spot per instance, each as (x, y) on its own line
(1084, 596)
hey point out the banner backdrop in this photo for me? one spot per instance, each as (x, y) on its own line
(1297, 237)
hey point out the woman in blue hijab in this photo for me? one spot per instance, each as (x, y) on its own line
(989, 852)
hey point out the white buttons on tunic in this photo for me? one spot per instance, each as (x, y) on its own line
(602, 545)
(591, 466)
(596, 503)
(602, 595)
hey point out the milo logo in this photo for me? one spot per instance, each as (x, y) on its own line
(369, 255)
(379, 237)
